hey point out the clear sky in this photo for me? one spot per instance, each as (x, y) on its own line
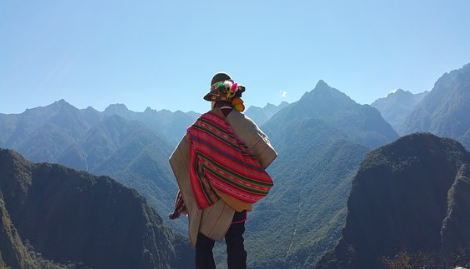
(162, 54)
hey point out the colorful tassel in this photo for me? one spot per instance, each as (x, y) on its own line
(221, 88)
(234, 87)
(237, 101)
(238, 105)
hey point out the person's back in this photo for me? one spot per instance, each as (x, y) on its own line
(220, 168)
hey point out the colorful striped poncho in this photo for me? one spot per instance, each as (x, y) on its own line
(221, 162)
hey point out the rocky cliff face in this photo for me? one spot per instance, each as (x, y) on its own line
(12, 249)
(74, 217)
(410, 195)
(445, 110)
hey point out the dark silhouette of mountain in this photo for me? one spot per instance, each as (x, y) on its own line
(262, 115)
(12, 249)
(465, 139)
(445, 110)
(397, 106)
(410, 195)
(362, 123)
(79, 219)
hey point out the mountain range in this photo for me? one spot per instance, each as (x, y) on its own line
(363, 124)
(397, 106)
(445, 110)
(321, 140)
(116, 142)
(57, 217)
(262, 115)
(318, 155)
(172, 125)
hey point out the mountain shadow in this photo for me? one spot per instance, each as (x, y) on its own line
(73, 217)
(410, 195)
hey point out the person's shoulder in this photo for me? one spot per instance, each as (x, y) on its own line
(235, 115)
(241, 120)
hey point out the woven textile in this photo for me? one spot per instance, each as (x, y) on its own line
(220, 161)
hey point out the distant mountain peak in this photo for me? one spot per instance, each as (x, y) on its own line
(325, 95)
(262, 115)
(149, 110)
(398, 92)
(322, 83)
(116, 109)
(362, 123)
(445, 109)
(268, 105)
(61, 102)
(65, 105)
(57, 104)
(323, 86)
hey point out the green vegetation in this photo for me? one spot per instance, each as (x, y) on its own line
(303, 215)
(131, 147)
(317, 141)
(422, 259)
(321, 140)
(80, 221)
(411, 194)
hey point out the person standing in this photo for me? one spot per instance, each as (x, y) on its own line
(219, 166)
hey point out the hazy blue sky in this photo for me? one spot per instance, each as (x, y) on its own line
(162, 54)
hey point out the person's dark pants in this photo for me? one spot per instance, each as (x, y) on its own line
(236, 254)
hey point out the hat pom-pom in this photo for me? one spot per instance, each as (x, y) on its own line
(221, 88)
(240, 108)
(238, 105)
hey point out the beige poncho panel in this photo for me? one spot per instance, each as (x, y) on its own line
(215, 220)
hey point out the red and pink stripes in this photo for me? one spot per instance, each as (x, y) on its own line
(221, 161)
